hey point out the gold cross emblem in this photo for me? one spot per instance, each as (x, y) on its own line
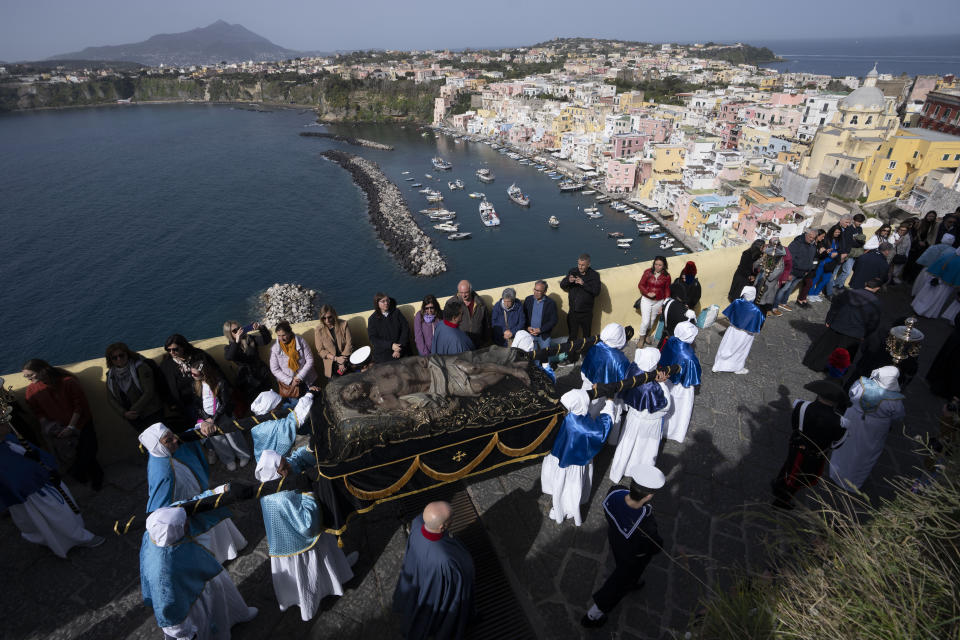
(460, 455)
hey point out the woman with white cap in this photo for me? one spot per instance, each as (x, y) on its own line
(606, 363)
(679, 350)
(876, 404)
(746, 320)
(178, 471)
(567, 471)
(306, 564)
(646, 407)
(191, 594)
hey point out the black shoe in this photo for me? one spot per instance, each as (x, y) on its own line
(593, 624)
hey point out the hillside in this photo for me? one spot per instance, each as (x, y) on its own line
(214, 43)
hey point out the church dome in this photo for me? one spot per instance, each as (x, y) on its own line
(868, 98)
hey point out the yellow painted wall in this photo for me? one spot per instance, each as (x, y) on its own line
(915, 156)
(615, 304)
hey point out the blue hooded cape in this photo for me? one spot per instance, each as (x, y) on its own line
(745, 315)
(603, 364)
(580, 438)
(647, 397)
(21, 476)
(947, 268)
(172, 578)
(292, 520)
(676, 351)
(276, 435)
(161, 479)
(873, 394)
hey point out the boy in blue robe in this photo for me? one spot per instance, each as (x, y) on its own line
(191, 594)
(434, 593)
(306, 564)
(679, 350)
(634, 540)
(605, 363)
(746, 320)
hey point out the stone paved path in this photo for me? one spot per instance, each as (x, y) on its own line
(714, 518)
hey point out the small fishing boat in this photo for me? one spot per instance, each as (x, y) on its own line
(442, 216)
(462, 235)
(427, 190)
(484, 175)
(588, 192)
(441, 165)
(448, 227)
(615, 234)
(406, 173)
(435, 197)
(591, 210)
(409, 179)
(488, 214)
(624, 244)
(516, 195)
(679, 251)
(416, 185)
(477, 194)
(553, 222)
(595, 214)
(657, 235)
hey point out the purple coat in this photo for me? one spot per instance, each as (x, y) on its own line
(423, 333)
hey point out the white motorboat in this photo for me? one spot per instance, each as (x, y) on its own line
(441, 216)
(448, 227)
(588, 192)
(477, 194)
(406, 173)
(624, 244)
(428, 176)
(435, 197)
(441, 165)
(416, 185)
(595, 214)
(591, 210)
(553, 222)
(462, 235)
(484, 175)
(488, 214)
(516, 194)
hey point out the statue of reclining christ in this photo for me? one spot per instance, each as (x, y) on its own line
(419, 381)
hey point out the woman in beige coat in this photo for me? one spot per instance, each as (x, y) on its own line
(333, 341)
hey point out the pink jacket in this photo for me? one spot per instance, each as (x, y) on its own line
(278, 362)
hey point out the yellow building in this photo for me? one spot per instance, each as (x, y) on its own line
(757, 195)
(863, 121)
(769, 83)
(905, 158)
(629, 100)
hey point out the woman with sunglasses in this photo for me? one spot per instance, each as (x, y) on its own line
(424, 323)
(243, 350)
(131, 387)
(175, 367)
(333, 341)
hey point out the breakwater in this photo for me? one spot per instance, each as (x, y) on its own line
(290, 302)
(391, 217)
(357, 142)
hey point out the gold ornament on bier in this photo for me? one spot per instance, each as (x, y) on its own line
(904, 341)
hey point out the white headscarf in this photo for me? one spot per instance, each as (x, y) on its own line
(686, 332)
(150, 439)
(522, 340)
(614, 336)
(948, 238)
(265, 403)
(576, 401)
(886, 377)
(749, 293)
(647, 358)
(267, 466)
(166, 525)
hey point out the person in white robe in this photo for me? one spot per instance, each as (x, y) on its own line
(178, 471)
(876, 404)
(928, 257)
(605, 363)
(38, 502)
(746, 320)
(679, 351)
(939, 288)
(191, 594)
(647, 406)
(567, 471)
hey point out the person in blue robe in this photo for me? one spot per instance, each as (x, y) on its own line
(605, 363)
(678, 350)
(306, 564)
(567, 471)
(746, 320)
(190, 593)
(633, 537)
(434, 592)
(279, 434)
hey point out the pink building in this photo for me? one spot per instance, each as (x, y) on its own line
(760, 214)
(621, 176)
(730, 135)
(730, 111)
(786, 99)
(626, 145)
(657, 129)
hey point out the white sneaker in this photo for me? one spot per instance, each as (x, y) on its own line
(352, 558)
(814, 299)
(231, 466)
(742, 371)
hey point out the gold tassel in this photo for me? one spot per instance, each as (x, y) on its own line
(339, 542)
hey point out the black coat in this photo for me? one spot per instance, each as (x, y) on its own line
(870, 265)
(180, 386)
(385, 331)
(745, 270)
(689, 294)
(253, 374)
(804, 255)
(581, 297)
(854, 313)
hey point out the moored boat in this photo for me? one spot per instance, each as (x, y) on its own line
(615, 234)
(553, 221)
(441, 165)
(462, 235)
(484, 175)
(516, 195)
(448, 227)
(488, 214)
(477, 194)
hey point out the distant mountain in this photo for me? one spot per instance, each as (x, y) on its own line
(207, 45)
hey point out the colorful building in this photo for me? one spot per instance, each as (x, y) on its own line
(905, 158)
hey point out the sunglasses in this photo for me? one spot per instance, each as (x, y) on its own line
(327, 318)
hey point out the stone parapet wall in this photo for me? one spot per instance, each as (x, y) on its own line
(615, 304)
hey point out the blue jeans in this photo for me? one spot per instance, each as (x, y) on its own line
(541, 342)
(842, 273)
(784, 293)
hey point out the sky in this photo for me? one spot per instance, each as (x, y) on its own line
(37, 29)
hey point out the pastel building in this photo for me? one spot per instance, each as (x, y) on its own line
(905, 158)
(621, 176)
(629, 144)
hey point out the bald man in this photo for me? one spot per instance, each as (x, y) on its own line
(476, 317)
(435, 591)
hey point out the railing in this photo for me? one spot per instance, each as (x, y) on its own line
(614, 304)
